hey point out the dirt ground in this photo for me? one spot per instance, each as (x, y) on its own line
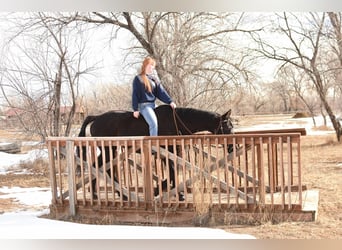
(322, 170)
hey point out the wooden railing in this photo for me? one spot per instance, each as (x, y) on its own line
(263, 169)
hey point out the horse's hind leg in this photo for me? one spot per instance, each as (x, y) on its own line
(100, 165)
(115, 170)
(172, 180)
(166, 182)
(231, 148)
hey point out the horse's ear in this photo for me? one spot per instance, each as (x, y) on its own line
(227, 114)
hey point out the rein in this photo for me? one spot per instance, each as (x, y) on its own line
(175, 117)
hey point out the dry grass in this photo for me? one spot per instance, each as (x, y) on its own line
(322, 170)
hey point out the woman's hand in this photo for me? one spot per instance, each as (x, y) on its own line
(136, 114)
(173, 105)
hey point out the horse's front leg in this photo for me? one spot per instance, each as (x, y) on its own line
(172, 178)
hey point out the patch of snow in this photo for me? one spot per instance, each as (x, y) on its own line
(41, 197)
(32, 143)
(27, 225)
(10, 161)
(5, 143)
(306, 123)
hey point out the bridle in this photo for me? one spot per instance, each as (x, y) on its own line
(220, 126)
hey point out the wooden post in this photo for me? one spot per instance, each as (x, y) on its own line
(52, 172)
(299, 173)
(275, 165)
(71, 177)
(260, 152)
(148, 172)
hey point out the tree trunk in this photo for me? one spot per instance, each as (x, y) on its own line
(334, 121)
(57, 101)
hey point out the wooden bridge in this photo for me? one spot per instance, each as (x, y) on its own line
(260, 179)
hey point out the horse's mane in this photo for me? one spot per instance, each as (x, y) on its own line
(192, 111)
(118, 111)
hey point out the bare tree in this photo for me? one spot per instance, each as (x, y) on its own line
(298, 84)
(45, 62)
(195, 55)
(336, 44)
(304, 34)
(281, 90)
(108, 96)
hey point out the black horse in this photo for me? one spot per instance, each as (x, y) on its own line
(181, 121)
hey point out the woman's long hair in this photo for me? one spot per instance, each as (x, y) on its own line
(146, 82)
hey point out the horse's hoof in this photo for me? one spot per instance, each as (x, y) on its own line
(78, 171)
(156, 191)
(181, 197)
(124, 197)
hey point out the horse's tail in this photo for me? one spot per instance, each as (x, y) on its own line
(88, 120)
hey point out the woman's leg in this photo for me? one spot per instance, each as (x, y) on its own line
(147, 111)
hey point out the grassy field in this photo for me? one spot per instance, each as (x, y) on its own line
(322, 170)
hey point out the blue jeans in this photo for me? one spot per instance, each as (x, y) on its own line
(147, 111)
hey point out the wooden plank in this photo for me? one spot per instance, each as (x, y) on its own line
(245, 168)
(82, 175)
(112, 172)
(282, 172)
(254, 168)
(300, 191)
(271, 168)
(97, 172)
(91, 170)
(104, 173)
(60, 182)
(71, 177)
(295, 135)
(184, 216)
(148, 172)
(302, 131)
(52, 168)
(261, 176)
(289, 168)
(134, 161)
(310, 202)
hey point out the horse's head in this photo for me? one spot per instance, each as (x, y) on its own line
(225, 125)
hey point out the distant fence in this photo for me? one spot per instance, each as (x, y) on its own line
(263, 170)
